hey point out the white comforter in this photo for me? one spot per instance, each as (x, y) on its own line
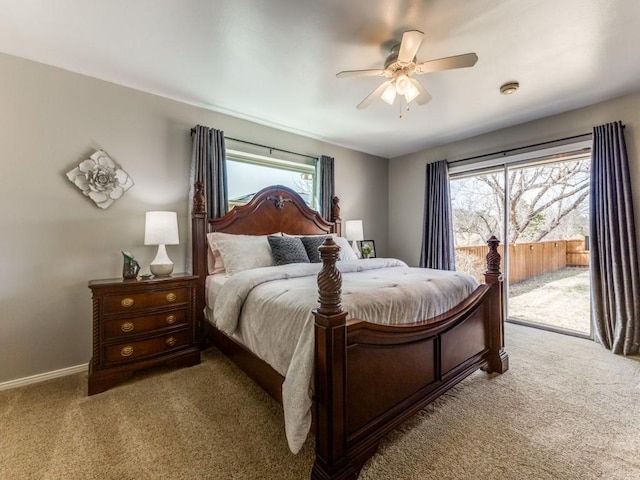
(270, 310)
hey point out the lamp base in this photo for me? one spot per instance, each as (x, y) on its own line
(161, 266)
(161, 269)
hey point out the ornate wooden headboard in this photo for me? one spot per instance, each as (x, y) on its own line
(272, 209)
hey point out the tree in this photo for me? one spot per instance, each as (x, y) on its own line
(546, 202)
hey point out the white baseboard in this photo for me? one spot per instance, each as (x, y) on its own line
(41, 377)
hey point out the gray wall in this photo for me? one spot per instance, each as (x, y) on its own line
(54, 240)
(406, 174)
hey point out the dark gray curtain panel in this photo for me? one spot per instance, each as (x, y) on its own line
(615, 283)
(327, 186)
(208, 165)
(437, 234)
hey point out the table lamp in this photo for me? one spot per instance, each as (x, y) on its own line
(161, 228)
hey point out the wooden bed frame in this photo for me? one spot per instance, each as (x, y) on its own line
(368, 378)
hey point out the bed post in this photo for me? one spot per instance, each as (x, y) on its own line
(498, 358)
(198, 256)
(335, 216)
(330, 373)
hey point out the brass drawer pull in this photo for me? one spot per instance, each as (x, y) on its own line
(127, 351)
(171, 297)
(127, 302)
(171, 341)
(171, 319)
(126, 327)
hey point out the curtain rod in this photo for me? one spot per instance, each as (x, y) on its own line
(265, 146)
(510, 150)
(271, 148)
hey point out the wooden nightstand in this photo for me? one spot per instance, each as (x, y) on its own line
(140, 323)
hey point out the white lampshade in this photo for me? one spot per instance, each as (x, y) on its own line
(161, 228)
(353, 230)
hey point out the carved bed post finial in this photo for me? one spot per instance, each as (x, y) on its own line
(335, 209)
(335, 216)
(329, 279)
(493, 274)
(198, 198)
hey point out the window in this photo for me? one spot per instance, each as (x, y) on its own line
(247, 174)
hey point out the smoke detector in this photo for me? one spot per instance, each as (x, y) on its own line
(509, 88)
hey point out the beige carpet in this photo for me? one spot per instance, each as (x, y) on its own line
(567, 409)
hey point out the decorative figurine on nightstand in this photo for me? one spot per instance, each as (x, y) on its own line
(130, 267)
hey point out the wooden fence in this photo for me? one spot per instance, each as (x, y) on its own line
(528, 260)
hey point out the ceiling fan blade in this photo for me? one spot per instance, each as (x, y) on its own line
(360, 73)
(373, 95)
(424, 96)
(411, 41)
(447, 63)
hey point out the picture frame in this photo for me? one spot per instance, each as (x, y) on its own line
(371, 244)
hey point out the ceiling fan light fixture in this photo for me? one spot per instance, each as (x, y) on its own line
(411, 94)
(509, 88)
(399, 68)
(389, 94)
(402, 84)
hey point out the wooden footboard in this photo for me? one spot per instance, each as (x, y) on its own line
(369, 378)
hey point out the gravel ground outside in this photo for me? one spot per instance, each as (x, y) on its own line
(560, 299)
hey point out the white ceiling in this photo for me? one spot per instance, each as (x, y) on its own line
(274, 61)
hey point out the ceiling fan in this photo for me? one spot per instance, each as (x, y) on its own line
(399, 67)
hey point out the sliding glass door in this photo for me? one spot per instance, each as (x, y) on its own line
(540, 211)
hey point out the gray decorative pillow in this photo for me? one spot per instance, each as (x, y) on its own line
(287, 250)
(311, 244)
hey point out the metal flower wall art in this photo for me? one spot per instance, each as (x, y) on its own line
(101, 179)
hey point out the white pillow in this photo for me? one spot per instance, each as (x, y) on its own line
(240, 255)
(346, 251)
(215, 262)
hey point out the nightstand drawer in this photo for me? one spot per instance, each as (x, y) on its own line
(127, 327)
(137, 301)
(125, 352)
